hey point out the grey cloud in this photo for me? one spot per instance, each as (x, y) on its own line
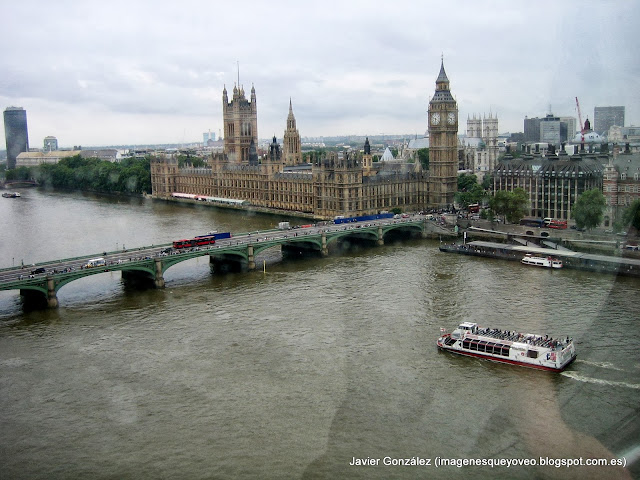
(344, 64)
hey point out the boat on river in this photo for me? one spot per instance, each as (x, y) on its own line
(547, 262)
(526, 350)
(11, 195)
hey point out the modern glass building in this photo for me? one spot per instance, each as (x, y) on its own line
(50, 144)
(606, 117)
(15, 132)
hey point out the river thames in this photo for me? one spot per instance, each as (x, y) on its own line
(305, 369)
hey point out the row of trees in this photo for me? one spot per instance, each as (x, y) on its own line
(511, 205)
(131, 175)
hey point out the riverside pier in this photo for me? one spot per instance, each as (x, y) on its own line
(570, 259)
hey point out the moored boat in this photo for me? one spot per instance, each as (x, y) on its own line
(11, 194)
(526, 350)
(547, 262)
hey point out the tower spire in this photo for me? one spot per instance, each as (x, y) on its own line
(442, 76)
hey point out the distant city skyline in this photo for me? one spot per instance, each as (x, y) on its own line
(137, 75)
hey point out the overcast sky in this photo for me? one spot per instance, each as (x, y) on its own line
(144, 72)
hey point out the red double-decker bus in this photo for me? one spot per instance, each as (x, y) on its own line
(559, 224)
(195, 242)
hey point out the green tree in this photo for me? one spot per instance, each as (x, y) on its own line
(474, 195)
(423, 156)
(19, 173)
(486, 214)
(513, 205)
(63, 177)
(487, 181)
(588, 210)
(631, 215)
(76, 161)
(132, 175)
(466, 182)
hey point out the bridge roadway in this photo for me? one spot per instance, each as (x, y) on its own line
(148, 264)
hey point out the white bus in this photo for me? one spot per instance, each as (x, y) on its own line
(95, 262)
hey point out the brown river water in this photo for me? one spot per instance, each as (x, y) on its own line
(316, 368)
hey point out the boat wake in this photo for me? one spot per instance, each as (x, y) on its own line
(600, 381)
(608, 365)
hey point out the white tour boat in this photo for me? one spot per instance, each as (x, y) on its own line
(527, 350)
(547, 262)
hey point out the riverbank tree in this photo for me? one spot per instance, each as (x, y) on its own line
(512, 205)
(588, 211)
(131, 175)
(631, 215)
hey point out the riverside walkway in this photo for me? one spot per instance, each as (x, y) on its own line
(238, 253)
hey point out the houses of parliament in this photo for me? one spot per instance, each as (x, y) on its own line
(342, 183)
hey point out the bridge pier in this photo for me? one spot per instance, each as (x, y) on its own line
(52, 299)
(159, 280)
(252, 260)
(380, 236)
(38, 299)
(325, 250)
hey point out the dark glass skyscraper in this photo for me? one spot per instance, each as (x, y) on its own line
(606, 117)
(531, 129)
(15, 133)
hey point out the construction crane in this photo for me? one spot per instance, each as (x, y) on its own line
(581, 124)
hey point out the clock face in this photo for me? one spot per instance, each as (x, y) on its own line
(451, 118)
(435, 118)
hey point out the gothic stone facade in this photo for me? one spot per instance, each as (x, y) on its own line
(240, 118)
(334, 184)
(480, 148)
(443, 143)
(621, 183)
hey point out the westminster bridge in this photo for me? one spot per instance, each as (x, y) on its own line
(147, 265)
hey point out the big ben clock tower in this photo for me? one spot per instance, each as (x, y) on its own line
(443, 144)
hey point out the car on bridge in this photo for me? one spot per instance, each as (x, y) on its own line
(38, 270)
